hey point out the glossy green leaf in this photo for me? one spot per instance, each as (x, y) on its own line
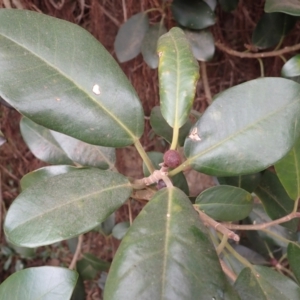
(233, 137)
(2, 139)
(64, 206)
(34, 177)
(130, 37)
(228, 5)
(225, 203)
(162, 128)
(39, 283)
(291, 7)
(193, 14)
(178, 74)
(247, 182)
(275, 199)
(263, 283)
(292, 67)
(107, 226)
(293, 252)
(211, 3)
(120, 230)
(42, 144)
(271, 28)
(178, 180)
(271, 238)
(86, 154)
(166, 253)
(61, 77)
(288, 171)
(79, 290)
(149, 44)
(202, 44)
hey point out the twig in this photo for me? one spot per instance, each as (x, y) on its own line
(262, 226)
(114, 20)
(205, 82)
(124, 10)
(208, 221)
(227, 271)
(77, 252)
(129, 211)
(257, 55)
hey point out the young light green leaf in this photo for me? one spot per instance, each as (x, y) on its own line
(228, 5)
(167, 245)
(202, 44)
(149, 44)
(163, 129)
(245, 140)
(61, 77)
(247, 182)
(275, 199)
(39, 283)
(293, 253)
(225, 203)
(292, 67)
(42, 144)
(64, 206)
(290, 7)
(130, 37)
(271, 28)
(178, 74)
(288, 171)
(263, 283)
(34, 177)
(193, 14)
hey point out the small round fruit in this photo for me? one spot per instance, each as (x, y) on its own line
(172, 159)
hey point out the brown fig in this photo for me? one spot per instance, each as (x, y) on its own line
(172, 159)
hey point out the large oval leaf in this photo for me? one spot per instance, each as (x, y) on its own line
(271, 28)
(292, 67)
(178, 74)
(193, 14)
(288, 171)
(39, 283)
(64, 206)
(61, 77)
(263, 283)
(225, 203)
(291, 7)
(42, 144)
(234, 137)
(167, 255)
(130, 37)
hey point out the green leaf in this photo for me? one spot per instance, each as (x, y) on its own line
(178, 74)
(274, 198)
(247, 182)
(64, 206)
(178, 180)
(202, 44)
(292, 67)
(211, 3)
(288, 171)
(166, 253)
(34, 177)
(193, 14)
(61, 77)
(162, 128)
(2, 139)
(120, 230)
(79, 290)
(263, 283)
(293, 253)
(42, 144)
(130, 37)
(290, 7)
(149, 44)
(108, 225)
(39, 283)
(271, 28)
(233, 137)
(228, 5)
(225, 203)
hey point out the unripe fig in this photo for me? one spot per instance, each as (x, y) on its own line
(172, 159)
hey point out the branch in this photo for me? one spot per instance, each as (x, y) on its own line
(76, 254)
(257, 55)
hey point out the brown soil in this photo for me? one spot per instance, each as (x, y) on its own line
(103, 18)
